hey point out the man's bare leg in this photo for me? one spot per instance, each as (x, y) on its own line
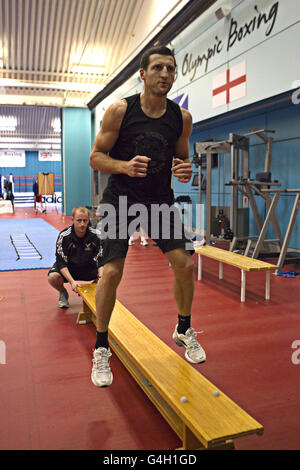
(106, 292)
(105, 301)
(57, 282)
(183, 267)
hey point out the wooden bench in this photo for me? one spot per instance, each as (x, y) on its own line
(244, 263)
(208, 419)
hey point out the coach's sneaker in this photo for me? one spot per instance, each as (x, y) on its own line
(144, 241)
(101, 373)
(199, 243)
(63, 301)
(193, 350)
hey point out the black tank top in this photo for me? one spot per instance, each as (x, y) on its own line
(154, 138)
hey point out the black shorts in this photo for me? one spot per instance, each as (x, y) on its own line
(163, 227)
(55, 269)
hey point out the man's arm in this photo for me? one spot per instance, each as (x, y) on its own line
(106, 139)
(183, 168)
(66, 273)
(62, 262)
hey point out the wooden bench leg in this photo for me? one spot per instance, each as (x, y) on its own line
(86, 316)
(243, 285)
(199, 268)
(83, 318)
(267, 285)
(190, 441)
(220, 270)
(227, 445)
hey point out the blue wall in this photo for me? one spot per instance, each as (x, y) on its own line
(277, 114)
(76, 151)
(32, 168)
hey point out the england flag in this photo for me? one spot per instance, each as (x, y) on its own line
(229, 85)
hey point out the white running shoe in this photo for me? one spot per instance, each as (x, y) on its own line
(130, 241)
(63, 301)
(144, 242)
(194, 352)
(101, 374)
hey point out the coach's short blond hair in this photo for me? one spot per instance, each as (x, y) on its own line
(79, 209)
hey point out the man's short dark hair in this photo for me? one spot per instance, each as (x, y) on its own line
(162, 50)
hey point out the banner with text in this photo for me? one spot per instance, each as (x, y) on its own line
(12, 158)
(240, 59)
(49, 156)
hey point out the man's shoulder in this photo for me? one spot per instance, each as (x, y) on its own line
(186, 115)
(118, 109)
(66, 231)
(115, 113)
(93, 232)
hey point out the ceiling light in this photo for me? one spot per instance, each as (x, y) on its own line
(85, 87)
(92, 69)
(50, 140)
(29, 146)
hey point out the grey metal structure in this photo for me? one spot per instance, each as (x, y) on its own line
(240, 182)
(270, 215)
(233, 147)
(99, 182)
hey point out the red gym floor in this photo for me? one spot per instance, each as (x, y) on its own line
(48, 400)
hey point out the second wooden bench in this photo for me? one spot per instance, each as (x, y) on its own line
(244, 263)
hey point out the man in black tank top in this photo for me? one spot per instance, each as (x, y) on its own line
(143, 140)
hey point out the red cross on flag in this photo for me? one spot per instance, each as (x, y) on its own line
(230, 85)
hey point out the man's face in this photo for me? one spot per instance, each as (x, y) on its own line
(160, 73)
(80, 221)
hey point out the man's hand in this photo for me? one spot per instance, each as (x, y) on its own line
(74, 285)
(137, 166)
(182, 170)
